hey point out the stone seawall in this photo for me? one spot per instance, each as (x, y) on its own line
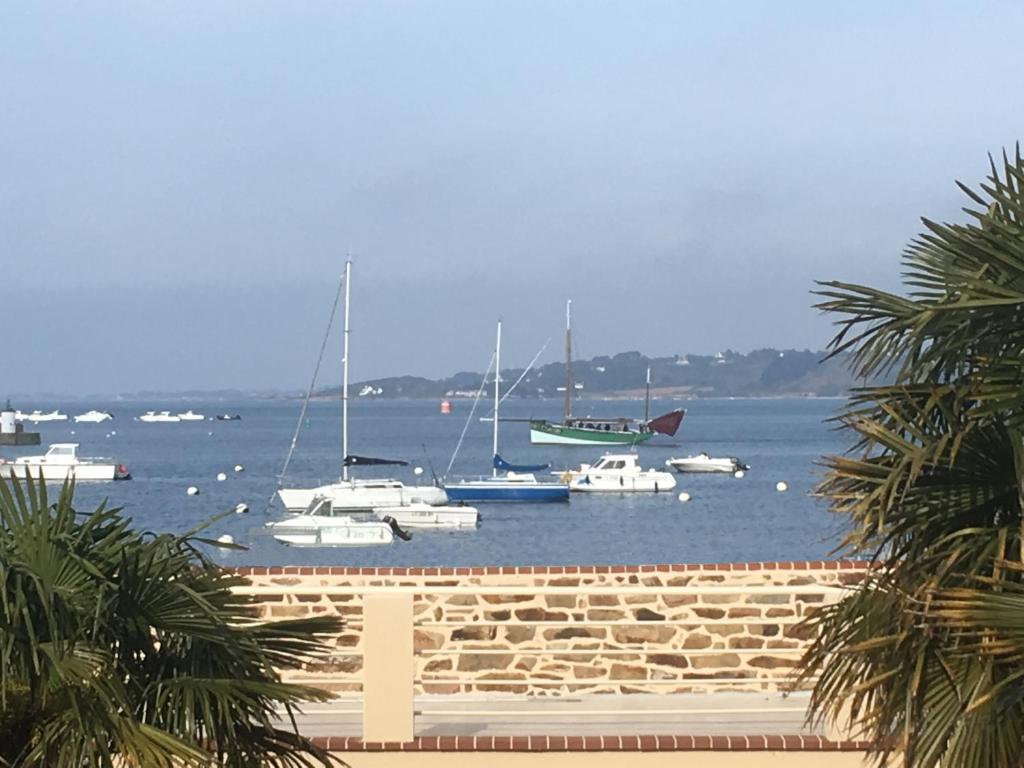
(573, 629)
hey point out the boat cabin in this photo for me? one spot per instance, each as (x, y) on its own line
(617, 462)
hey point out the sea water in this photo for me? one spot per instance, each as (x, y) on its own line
(727, 519)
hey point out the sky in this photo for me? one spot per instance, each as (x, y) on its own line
(181, 183)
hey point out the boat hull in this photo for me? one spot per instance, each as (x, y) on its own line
(648, 482)
(334, 536)
(426, 516)
(57, 473)
(545, 433)
(355, 496)
(688, 466)
(502, 491)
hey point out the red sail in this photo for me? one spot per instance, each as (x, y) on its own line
(667, 423)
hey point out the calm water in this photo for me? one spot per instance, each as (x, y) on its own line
(727, 519)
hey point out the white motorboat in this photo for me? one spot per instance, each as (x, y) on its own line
(62, 462)
(37, 416)
(153, 417)
(189, 415)
(704, 463)
(320, 525)
(348, 493)
(429, 516)
(618, 473)
(93, 417)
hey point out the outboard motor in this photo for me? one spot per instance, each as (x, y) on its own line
(395, 529)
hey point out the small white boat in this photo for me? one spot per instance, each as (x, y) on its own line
(37, 416)
(618, 473)
(363, 495)
(93, 417)
(153, 417)
(428, 516)
(322, 526)
(61, 462)
(704, 463)
(189, 415)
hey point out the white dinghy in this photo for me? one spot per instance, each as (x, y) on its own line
(61, 462)
(618, 473)
(704, 463)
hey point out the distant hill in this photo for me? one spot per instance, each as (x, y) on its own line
(761, 373)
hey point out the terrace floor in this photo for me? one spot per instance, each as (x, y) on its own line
(707, 714)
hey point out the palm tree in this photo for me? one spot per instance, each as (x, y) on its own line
(121, 648)
(926, 654)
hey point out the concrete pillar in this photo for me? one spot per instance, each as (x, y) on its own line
(389, 668)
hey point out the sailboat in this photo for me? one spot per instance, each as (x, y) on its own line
(349, 493)
(589, 430)
(518, 483)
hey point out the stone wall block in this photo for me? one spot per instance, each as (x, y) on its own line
(605, 614)
(775, 613)
(746, 642)
(769, 599)
(674, 601)
(745, 613)
(474, 633)
(627, 672)
(516, 635)
(480, 661)
(709, 613)
(720, 599)
(668, 660)
(540, 615)
(772, 662)
(646, 614)
(604, 600)
(440, 664)
(678, 581)
(716, 661)
(560, 601)
(697, 641)
(726, 630)
(643, 634)
(424, 640)
(567, 633)
(462, 600)
(498, 599)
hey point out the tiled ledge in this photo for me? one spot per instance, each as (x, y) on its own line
(769, 743)
(511, 570)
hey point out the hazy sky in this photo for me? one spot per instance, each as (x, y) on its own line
(180, 181)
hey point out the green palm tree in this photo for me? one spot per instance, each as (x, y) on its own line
(926, 654)
(125, 648)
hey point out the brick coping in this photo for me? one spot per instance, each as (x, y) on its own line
(768, 743)
(515, 570)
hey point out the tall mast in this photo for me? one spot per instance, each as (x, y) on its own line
(497, 394)
(344, 378)
(568, 360)
(647, 398)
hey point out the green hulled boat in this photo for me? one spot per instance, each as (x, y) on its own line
(574, 430)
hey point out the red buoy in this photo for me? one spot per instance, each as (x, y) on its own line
(446, 407)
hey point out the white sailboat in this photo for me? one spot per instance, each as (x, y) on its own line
(518, 483)
(349, 493)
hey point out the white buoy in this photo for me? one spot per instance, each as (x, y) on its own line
(738, 474)
(239, 468)
(113, 432)
(781, 486)
(192, 491)
(73, 432)
(210, 434)
(418, 471)
(221, 477)
(684, 496)
(241, 508)
(226, 538)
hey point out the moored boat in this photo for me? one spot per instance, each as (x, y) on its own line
(228, 417)
(320, 525)
(518, 483)
(153, 417)
(704, 463)
(573, 430)
(189, 415)
(431, 516)
(61, 462)
(349, 493)
(38, 416)
(618, 473)
(93, 417)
